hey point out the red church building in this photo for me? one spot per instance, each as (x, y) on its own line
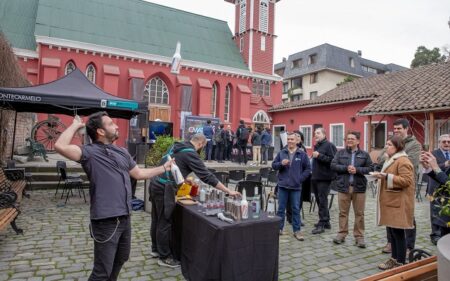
(125, 47)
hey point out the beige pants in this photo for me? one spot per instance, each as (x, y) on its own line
(256, 154)
(358, 200)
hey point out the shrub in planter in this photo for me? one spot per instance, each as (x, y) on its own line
(158, 150)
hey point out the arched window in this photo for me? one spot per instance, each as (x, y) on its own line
(156, 91)
(264, 15)
(214, 100)
(261, 117)
(70, 66)
(226, 115)
(90, 73)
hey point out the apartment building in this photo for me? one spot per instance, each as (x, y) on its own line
(310, 73)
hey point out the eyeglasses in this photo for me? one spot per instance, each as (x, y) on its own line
(445, 141)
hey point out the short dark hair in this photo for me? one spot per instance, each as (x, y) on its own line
(398, 142)
(208, 121)
(221, 126)
(95, 122)
(355, 133)
(402, 121)
(241, 122)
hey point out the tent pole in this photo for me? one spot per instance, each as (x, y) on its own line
(14, 135)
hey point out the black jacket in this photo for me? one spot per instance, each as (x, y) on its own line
(436, 218)
(321, 169)
(363, 165)
(190, 161)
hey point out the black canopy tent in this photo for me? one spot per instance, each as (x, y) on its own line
(70, 95)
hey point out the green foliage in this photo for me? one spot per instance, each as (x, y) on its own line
(441, 198)
(158, 149)
(346, 79)
(424, 56)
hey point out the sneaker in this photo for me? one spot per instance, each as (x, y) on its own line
(389, 264)
(154, 254)
(299, 236)
(169, 262)
(338, 240)
(387, 249)
(360, 243)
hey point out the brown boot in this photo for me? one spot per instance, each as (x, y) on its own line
(387, 249)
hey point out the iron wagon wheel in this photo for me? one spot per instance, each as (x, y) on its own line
(47, 132)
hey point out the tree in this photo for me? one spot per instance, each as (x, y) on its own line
(424, 56)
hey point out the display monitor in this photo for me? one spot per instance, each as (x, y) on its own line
(159, 128)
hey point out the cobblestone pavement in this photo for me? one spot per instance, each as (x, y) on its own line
(56, 245)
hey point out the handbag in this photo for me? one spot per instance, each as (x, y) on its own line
(7, 199)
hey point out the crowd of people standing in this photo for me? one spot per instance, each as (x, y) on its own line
(110, 168)
(395, 171)
(224, 144)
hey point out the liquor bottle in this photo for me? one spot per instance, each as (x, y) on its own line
(256, 208)
(176, 173)
(82, 130)
(271, 206)
(244, 205)
(202, 195)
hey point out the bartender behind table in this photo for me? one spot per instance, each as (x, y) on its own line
(162, 193)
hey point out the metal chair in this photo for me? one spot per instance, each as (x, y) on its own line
(264, 172)
(253, 177)
(223, 177)
(249, 187)
(421, 181)
(236, 176)
(272, 179)
(70, 183)
(314, 201)
(62, 165)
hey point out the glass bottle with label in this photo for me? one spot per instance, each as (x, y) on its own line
(271, 206)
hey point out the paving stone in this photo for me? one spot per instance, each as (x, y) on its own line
(57, 240)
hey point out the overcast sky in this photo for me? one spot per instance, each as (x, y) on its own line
(386, 31)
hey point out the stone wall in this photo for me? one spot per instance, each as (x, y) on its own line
(25, 122)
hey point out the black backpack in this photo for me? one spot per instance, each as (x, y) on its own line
(218, 136)
(243, 135)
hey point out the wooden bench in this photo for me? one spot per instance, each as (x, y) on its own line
(425, 269)
(12, 180)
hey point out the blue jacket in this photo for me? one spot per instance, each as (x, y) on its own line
(293, 175)
(266, 139)
(208, 131)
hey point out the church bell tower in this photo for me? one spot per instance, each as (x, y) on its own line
(254, 33)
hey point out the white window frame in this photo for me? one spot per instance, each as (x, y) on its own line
(343, 134)
(69, 64)
(366, 127)
(214, 95)
(308, 141)
(263, 43)
(226, 116)
(88, 68)
(161, 95)
(264, 16)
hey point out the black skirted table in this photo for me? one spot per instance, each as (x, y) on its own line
(210, 249)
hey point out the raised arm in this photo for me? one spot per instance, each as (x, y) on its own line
(63, 145)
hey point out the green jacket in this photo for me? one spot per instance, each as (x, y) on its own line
(412, 147)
